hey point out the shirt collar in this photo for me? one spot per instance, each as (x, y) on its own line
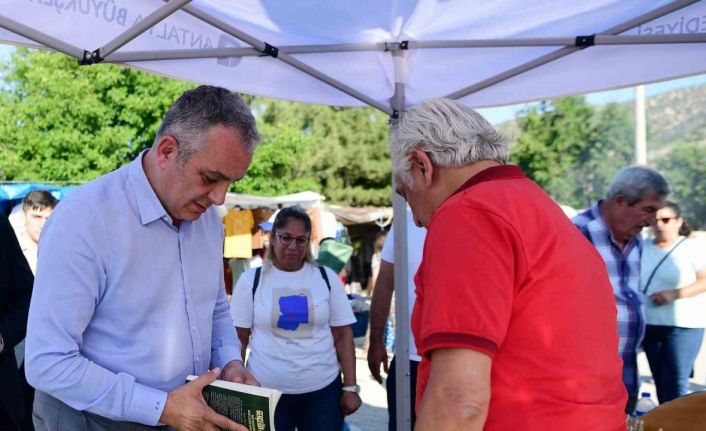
(501, 172)
(148, 204)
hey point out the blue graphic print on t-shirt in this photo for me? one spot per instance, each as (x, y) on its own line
(293, 311)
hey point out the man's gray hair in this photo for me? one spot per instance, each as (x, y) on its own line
(634, 182)
(452, 134)
(194, 113)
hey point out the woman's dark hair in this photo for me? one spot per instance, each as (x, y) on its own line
(685, 229)
(281, 219)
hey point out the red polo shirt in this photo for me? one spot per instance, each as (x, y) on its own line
(506, 273)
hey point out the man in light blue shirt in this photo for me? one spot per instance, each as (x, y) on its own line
(129, 296)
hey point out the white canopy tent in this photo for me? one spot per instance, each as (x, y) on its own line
(389, 54)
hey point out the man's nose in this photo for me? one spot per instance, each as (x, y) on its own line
(217, 195)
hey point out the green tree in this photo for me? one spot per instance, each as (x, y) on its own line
(64, 122)
(553, 139)
(572, 149)
(60, 121)
(685, 169)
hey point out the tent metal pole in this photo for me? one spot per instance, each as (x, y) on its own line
(286, 58)
(401, 267)
(178, 54)
(559, 41)
(150, 21)
(181, 54)
(41, 38)
(563, 52)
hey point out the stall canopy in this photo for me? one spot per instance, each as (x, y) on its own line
(389, 54)
(356, 53)
(303, 199)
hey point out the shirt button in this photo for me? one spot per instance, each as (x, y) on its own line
(193, 328)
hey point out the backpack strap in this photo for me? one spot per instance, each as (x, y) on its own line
(325, 277)
(255, 282)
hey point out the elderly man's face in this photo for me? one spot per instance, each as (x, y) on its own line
(204, 178)
(629, 220)
(421, 213)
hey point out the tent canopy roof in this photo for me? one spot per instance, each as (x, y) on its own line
(481, 52)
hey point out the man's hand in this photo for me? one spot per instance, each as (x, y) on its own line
(377, 354)
(186, 410)
(350, 402)
(664, 297)
(234, 371)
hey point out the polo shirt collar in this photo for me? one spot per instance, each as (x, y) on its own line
(148, 205)
(500, 172)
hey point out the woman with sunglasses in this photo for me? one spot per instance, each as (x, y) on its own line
(296, 318)
(673, 277)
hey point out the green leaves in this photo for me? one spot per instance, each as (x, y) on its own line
(571, 149)
(63, 122)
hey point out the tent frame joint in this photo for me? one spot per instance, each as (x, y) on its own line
(270, 50)
(90, 57)
(585, 41)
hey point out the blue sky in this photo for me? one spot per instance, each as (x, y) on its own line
(504, 113)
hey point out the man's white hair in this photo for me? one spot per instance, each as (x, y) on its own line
(452, 134)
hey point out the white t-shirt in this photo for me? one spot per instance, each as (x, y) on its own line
(291, 345)
(415, 248)
(678, 270)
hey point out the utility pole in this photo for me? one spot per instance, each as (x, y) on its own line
(640, 126)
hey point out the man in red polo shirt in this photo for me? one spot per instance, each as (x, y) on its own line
(515, 317)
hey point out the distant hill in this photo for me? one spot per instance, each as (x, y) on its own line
(676, 116)
(673, 116)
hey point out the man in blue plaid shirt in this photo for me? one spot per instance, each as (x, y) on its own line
(613, 226)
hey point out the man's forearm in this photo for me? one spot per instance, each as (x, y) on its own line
(457, 394)
(381, 302)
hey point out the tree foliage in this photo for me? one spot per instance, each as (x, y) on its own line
(572, 150)
(63, 122)
(685, 167)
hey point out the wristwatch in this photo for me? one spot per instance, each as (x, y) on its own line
(355, 389)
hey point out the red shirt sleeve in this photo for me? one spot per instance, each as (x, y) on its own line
(467, 279)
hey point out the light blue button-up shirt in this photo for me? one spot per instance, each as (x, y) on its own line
(126, 305)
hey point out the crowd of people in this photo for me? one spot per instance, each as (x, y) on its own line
(520, 317)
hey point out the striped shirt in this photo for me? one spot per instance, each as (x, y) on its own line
(624, 272)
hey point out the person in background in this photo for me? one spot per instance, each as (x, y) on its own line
(514, 317)
(37, 206)
(15, 293)
(673, 276)
(129, 297)
(375, 262)
(296, 318)
(613, 226)
(380, 310)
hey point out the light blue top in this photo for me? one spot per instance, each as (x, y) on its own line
(125, 305)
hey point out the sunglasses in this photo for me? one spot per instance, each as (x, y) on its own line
(665, 220)
(287, 239)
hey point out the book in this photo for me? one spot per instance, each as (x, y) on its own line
(252, 406)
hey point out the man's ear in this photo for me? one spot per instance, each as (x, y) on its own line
(422, 168)
(167, 150)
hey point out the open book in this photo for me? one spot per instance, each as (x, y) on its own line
(251, 406)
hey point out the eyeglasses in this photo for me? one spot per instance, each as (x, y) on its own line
(287, 239)
(665, 220)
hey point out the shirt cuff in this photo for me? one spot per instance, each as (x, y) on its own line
(222, 355)
(445, 340)
(146, 406)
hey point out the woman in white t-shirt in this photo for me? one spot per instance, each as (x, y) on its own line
(673, 276)
(296, 318)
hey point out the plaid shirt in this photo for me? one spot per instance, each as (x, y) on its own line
(624, 272)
